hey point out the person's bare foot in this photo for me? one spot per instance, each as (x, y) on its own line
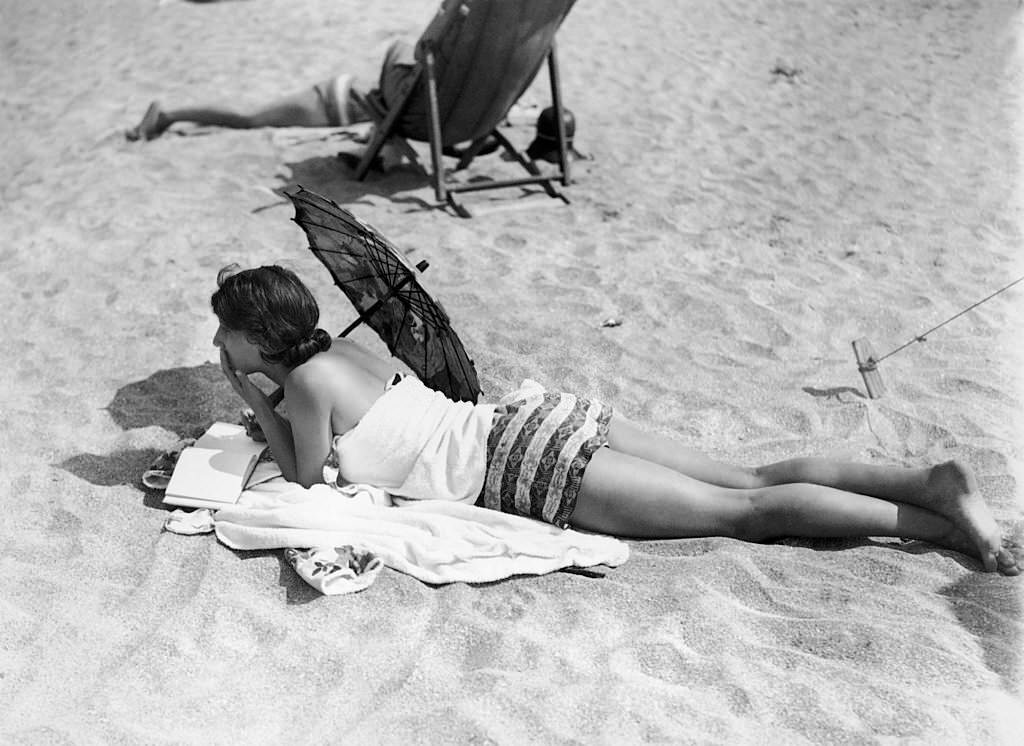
(153, 124)
(954, 490)
(1009, 558)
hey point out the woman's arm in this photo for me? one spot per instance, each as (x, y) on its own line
(310, 409)
(274, 426)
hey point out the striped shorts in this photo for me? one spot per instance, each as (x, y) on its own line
(537, 450)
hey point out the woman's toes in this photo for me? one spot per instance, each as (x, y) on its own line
(1006, 562)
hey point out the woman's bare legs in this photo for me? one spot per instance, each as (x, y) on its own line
(683, 493)
(887, 482)
(303, 109)
(629, 438)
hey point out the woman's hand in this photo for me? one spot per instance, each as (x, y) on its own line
(240, 382)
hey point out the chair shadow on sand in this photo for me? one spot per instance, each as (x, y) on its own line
(334, 178)
(183, 401)
(330, 176)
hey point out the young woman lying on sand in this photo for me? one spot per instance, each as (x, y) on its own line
(555, 457)
(330, 103)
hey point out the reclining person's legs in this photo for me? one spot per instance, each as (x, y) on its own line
(326, 104)
(630, 496)
(947, 489)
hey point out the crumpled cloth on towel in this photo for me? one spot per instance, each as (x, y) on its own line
(189, 522)
(336, 570)
(435, 541)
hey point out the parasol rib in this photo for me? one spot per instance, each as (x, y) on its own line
(376, 306)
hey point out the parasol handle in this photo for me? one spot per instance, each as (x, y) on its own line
(277, 396)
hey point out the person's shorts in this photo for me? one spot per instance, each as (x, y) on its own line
(335, 96)
(397, 75)
(537, 450)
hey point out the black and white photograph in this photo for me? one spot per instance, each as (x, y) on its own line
(512, 372)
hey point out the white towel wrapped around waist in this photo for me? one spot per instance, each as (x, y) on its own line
(418, 444)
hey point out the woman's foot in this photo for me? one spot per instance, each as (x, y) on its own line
(955, 493)
(1009, 558)
(153, 124)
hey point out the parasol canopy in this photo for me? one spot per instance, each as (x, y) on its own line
(382, 285)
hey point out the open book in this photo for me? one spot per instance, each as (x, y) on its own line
(213, 472)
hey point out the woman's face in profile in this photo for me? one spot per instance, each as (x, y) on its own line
(242, 354)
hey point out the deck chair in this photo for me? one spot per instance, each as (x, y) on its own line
(473, 62)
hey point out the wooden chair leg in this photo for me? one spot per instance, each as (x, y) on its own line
(530, 166)
(384, 126)
(471, 152)
(457, 207)
(556, 100)
(434, 123)
(371, 152)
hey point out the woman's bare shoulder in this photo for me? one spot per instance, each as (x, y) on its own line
(339, 372)
(336, 382)
(310, 380)
(325, 367)
(358, 355)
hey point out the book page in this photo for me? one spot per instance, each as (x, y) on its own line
(210, 474)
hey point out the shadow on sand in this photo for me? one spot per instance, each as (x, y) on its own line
(330, 176)
(184, 401)
(987, 606)
(124, 467)
(334, 177)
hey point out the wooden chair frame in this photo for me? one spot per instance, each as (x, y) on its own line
(385, 123)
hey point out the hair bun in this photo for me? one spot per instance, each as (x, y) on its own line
(321, 339)
(318, 341)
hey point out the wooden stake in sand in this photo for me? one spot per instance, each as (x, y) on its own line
(867, 362)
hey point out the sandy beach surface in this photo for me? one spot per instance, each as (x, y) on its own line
(768, 181)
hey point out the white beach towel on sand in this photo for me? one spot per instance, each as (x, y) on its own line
(435, 541)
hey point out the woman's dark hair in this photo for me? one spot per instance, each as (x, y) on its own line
(274, 310)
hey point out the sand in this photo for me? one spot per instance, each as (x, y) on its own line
(768, 182)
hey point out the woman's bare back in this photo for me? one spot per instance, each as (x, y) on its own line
(349, 377)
